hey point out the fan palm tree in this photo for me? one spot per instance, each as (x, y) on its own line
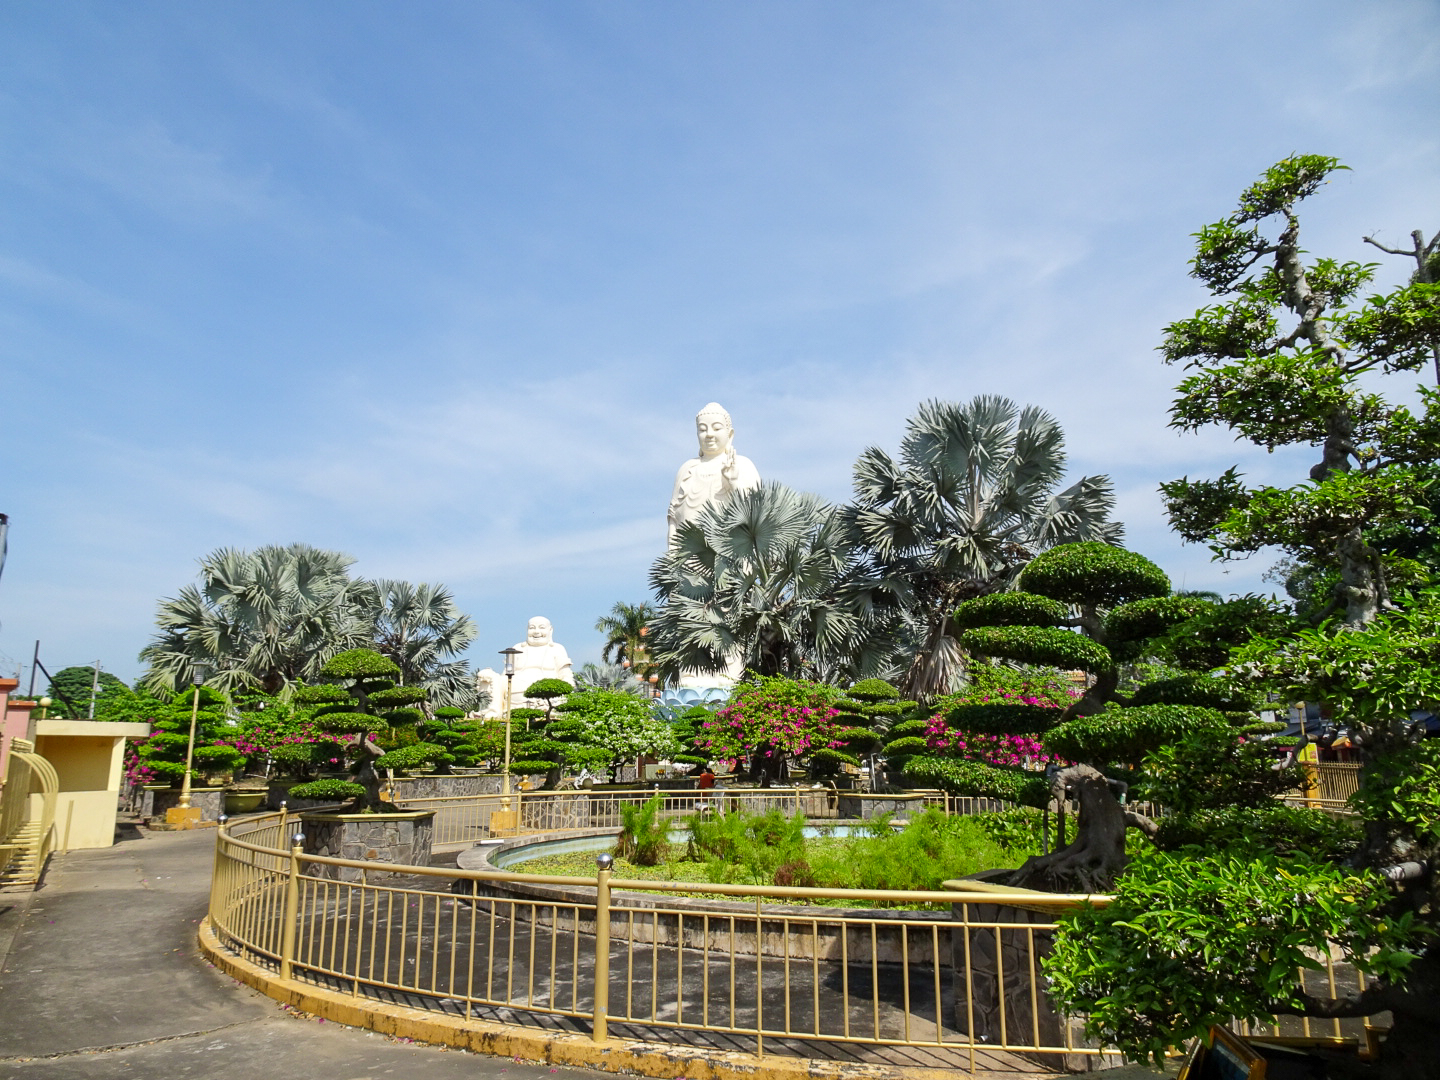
(266, 619)
(971, 499)
(761, 578)
(625, 629)
(421, 630)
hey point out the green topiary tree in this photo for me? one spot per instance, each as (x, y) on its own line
(162, 756)
(1239, 894)
(1120, 601)
(361, 702)
(866, 712)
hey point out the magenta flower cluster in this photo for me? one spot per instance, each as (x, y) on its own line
(1021, 750)
(795, 724)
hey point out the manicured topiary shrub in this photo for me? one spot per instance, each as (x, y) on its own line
(1095, 574)
(327, 790)
(1043, 646)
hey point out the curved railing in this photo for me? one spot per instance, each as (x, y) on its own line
(957, 983)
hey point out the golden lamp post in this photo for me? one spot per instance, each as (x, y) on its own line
(183, 814)
(506, 818)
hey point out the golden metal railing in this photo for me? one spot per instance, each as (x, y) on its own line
(962, 979)
(959, 982)
(462, 820)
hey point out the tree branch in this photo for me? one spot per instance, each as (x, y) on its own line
(1373, 999)
(1143, 823)
(1388, 250)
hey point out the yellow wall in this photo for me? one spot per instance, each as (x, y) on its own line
(84, 763)
(85, 819)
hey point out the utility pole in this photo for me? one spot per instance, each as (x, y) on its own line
(34, 667)
(94, 686)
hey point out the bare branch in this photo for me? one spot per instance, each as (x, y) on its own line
(1388, 250)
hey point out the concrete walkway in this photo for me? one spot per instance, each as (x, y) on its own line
(101, 979)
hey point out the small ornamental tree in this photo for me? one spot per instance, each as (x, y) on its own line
(1308, 383)
(549, 691)
(770, 719)
(612, 728)
(686, 728)
(1119, 600)
(866, 711)
(1241, 894)
(361, 702)
(162, 756)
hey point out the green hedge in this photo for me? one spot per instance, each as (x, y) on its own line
(1129, 626)
(349, 723)
(1094, 573)
(411, 757)
(978, 779)
(1009, 609)
(1124, 736)
(1041, 645)
(397, 695)
(327, 790)
(871, 691)
(1205, 691)
(324, 694)
(1004, 719)
(360, 664)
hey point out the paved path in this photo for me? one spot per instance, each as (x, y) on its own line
(103, 981)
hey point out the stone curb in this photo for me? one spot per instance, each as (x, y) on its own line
(553, 1048)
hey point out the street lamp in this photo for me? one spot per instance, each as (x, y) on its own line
(509, 654)
(182, 812)
(198, 674)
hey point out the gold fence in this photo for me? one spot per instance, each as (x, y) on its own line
(956, 983)
(1328, 786)
(768, 969)
(462, 820)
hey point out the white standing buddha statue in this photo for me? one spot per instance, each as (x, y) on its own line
(716, 474)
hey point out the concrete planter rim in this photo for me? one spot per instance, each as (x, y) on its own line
(330, 815)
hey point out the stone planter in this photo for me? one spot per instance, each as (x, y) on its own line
(244, 801)
(209, 801)
(403, 839)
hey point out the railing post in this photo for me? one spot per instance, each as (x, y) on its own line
(600, 1028)
(292, 909)
(215, 873)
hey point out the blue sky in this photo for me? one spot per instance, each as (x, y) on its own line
(442, 285)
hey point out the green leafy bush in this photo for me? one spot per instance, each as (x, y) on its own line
(397, 695)
(327, 790)
(410, 757)
(1205, 691)
(1124, 736)
(1043, 645)
(1263, 920)
(1009, 609)
(1275, 829)
(1002, 719)
(979, 779)
(1094, 573)
(1212, 768)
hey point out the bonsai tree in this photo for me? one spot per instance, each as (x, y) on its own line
(361, 702)
(162, 756)
(1117, 600)
(1289, 354)
(1239, 895)
(548, 691)
(687, 728)
(868, 708)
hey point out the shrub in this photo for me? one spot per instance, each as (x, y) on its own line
(327, 790)
(1042, 645)
(1123, 736)
(1009, 609)
(1094, 573)
(644, 837)
(979, 779)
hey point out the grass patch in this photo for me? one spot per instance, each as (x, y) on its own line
(771, 849)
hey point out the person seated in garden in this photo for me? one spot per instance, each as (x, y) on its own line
(707, 779)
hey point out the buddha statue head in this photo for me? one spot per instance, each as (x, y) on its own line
(539, 632)
(714, 431)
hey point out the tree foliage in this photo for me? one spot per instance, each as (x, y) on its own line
(973, 495)
(1306, 383)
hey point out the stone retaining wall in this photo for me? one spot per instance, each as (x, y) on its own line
(403, 839)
